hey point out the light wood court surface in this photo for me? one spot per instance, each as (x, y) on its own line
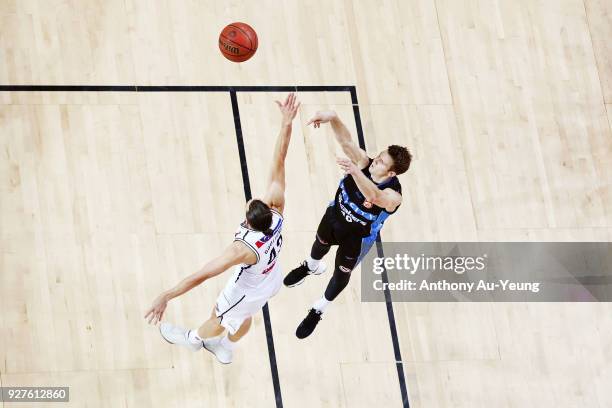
(108, 198)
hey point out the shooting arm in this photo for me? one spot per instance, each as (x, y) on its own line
(349, 147)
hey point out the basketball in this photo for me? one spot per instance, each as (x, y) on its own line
(238, 42)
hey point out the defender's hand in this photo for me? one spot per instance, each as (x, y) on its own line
(289, 108)
(347, 165)
(156, 312)
(321, 117)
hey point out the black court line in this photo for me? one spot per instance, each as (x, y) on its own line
(185, 88)
(389, 303)
(246, 183)
(247, 195)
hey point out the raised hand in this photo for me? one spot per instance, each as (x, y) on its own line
(289, 108)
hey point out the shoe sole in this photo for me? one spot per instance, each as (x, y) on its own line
(304, 278)
(213, 353)
(296, 283)
(164, 337)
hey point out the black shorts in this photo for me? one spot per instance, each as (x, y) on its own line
(333, 231)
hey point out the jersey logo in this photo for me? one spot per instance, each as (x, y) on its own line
(266, 238)
(348, 215)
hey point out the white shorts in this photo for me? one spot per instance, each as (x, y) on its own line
(236, 303)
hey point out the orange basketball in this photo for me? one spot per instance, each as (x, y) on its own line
(238, 42)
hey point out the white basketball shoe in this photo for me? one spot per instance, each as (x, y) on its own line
(214, 345)
(177, 335)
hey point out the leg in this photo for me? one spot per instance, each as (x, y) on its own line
(223, 346)
(324, 239)
(244, 328)
(321, 246)
(211, 327)
(346, 260)
(337, 283)
(319, 249)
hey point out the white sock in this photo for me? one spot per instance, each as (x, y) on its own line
(227, 343)
(194, 338)
(321, 304)
(312, 264)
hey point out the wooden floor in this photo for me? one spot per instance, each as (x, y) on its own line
(108, 198)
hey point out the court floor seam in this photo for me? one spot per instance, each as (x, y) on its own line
(388, 301)
(456, 116)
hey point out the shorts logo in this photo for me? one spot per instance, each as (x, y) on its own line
(344, 268)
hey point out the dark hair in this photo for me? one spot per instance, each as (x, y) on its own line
(401, 158)
(259, 216)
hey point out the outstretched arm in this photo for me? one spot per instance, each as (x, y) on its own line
(388, 198)
(234, 254)
(343, 137)
(275, 192)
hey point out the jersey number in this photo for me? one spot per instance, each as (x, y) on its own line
(275, 248)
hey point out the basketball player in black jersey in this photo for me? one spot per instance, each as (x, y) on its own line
(366, 196)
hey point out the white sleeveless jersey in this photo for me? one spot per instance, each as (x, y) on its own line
(266, 247)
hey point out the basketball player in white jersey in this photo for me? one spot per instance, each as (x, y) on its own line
(254, 254)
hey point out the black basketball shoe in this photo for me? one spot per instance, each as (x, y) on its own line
(297, 276)
(309, 323)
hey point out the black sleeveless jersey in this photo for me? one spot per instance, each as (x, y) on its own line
(357, 214)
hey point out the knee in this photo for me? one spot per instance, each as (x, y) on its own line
(342, 273)
(343, 270)
(322, 242)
